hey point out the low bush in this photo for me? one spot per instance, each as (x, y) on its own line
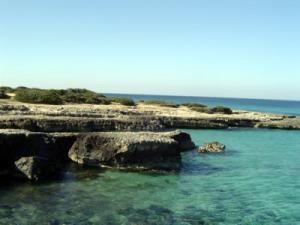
(160, 103)
(190, 105)
(6, 89)
(221, 109)
(123, 101)
(55, 97)
(82, 96)
(3, 95)
(201, 109)
(38, 96)
(205, 109)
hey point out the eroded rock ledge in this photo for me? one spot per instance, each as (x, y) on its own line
(94, 118)
(37, 155)
(131, 150)
(36, 141)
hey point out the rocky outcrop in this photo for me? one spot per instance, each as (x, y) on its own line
(80, 124)
(36, 168)
(212, 147)
(35, 138)
(96, 118)
(131, 150)
(36, 156)
(22, 152)
(289, 123)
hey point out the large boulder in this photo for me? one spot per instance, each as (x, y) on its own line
(212, 147)
(131, 150)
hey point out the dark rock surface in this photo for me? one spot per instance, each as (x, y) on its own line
(22, 151)
(212, 147)
(37, 156)
(36, 168)
(79, 124)
(131, 150)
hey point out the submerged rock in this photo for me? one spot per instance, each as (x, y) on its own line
(131, 150)
(212, 147)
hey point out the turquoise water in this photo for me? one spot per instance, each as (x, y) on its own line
(256, 181)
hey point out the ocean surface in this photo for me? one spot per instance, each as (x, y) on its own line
(254, 182)
(260, 105)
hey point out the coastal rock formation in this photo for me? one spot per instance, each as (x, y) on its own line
(289, 123)
(33, 155)
(36, 168)
(212, 147)
(36, 155)
(131, 150)
(96, 118)
(35, 135)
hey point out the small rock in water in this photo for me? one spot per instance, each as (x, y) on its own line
(212, 147)
(35, 168)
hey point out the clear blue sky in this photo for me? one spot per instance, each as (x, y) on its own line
(229, 48)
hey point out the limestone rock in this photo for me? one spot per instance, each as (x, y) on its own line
(131, 150)
(212, 147)
(35, 168)
(23, 152)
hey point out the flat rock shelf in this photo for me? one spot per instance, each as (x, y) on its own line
(115, 117)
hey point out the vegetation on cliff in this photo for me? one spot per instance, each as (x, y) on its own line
(38, 96)
(3, 95)
(84, 96)
(160, 103)
(56, 97)
(123, 101)
(205, 109)
(221, 109)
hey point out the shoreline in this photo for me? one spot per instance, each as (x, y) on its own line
(37, 140)
(141, 117)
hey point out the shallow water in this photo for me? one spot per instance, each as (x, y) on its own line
(256, 181)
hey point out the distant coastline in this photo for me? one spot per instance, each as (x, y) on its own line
(195, 96)
(290, 107)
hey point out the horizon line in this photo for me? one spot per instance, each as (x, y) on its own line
(201, 96)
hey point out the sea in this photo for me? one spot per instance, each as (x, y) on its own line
(254, 182)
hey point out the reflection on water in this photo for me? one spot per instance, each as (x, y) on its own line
(254, 182)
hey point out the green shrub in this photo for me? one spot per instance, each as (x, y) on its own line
(221, 109)
(160, 103)
(22, 88)
(205, 109)
(53, 96)
(201, 109)
(6, 89)
(3, 95)
(82, 96)
(123, 101)
(190, 105)
(197, 107)
(38, 96)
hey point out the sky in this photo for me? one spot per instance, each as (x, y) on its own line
(224, 48)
